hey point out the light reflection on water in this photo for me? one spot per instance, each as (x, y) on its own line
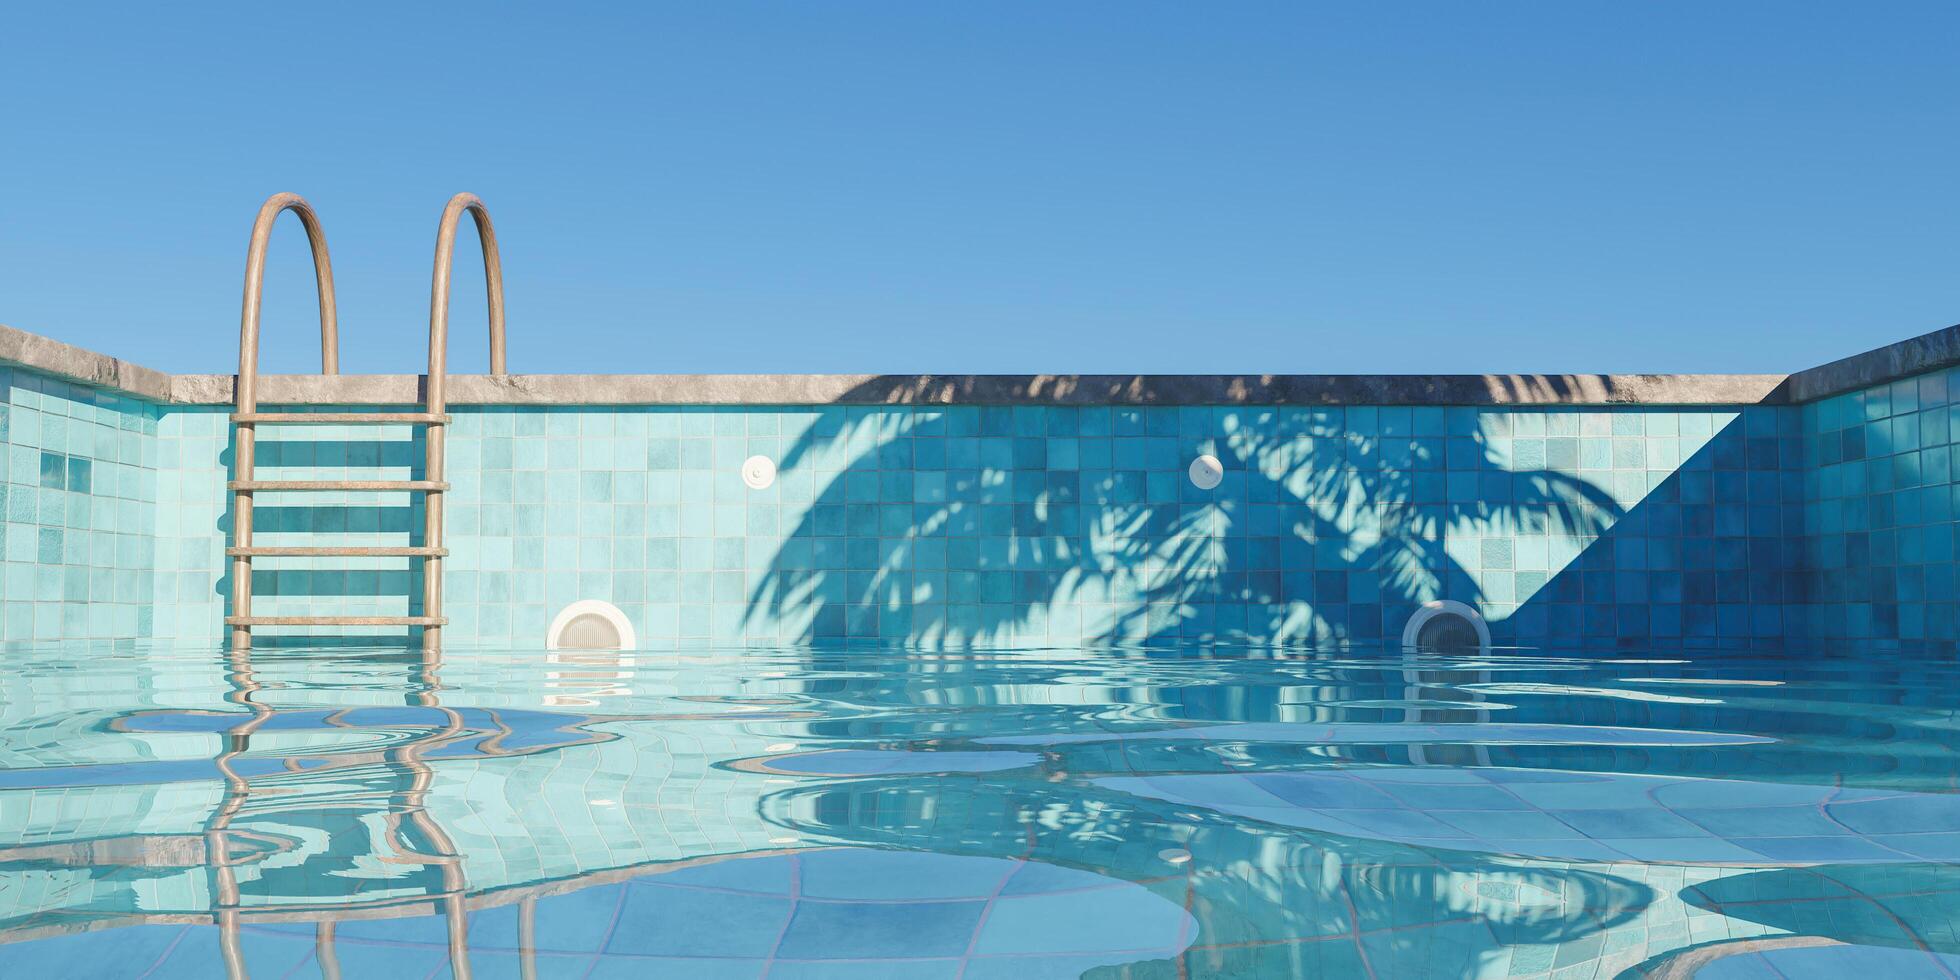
(168, 812)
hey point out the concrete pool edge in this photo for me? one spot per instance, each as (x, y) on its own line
(1928, 352)
(84, 366)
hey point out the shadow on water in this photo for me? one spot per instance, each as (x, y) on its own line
(965, 526)
(1828, 921)
(1268, 901)
(1908, 906)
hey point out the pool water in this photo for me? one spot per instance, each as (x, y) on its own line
(1143, 813)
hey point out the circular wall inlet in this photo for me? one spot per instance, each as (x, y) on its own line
(590, 624)
(758, 472)
(1207, 472)
(1446, 626)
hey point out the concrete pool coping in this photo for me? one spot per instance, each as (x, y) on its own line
(1917, 355)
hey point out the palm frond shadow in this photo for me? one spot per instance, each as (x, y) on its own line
(1318, 534)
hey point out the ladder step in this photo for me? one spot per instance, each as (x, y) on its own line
(336, 552)
(246, 486)
(341, 418)
(336, 621)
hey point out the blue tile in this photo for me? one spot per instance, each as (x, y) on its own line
(847, 930)
(1125, 918)
(53, 471)
(662, 920)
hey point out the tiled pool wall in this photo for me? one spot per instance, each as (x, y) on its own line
(1031, 525)
(1028, 525)
(78, 482)
(194, 522)
(1024, 525)
(1880, 500)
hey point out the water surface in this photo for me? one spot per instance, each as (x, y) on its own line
(796, 813)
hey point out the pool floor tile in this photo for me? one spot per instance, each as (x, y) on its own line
(860, 930)
(666, 921)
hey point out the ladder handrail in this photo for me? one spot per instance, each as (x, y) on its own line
(493, 285)
(432, 394)
(246, 394)
(247, 415)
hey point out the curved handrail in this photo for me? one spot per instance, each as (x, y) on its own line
(248, 343)
(493, 284)
(432, 394)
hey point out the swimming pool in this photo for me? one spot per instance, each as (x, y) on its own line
(973, 676)
(1196, 811)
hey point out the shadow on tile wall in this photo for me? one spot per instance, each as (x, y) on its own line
(331, 586)
(1027, 525)
(1709, 557)
(967, 526)
(1881, 498)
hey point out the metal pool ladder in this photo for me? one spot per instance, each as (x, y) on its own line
(246, 418)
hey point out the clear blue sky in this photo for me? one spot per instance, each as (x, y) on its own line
(1240, 187)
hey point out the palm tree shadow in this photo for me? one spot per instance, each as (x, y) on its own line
(959, 526)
